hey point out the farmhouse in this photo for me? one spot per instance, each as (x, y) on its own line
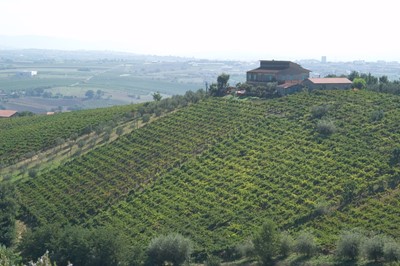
(277, 71)
(327, 83)
(7, 113)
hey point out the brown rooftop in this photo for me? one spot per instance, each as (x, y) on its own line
(7, 113)
(330, 80)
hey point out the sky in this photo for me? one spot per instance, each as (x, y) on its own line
(342, 30)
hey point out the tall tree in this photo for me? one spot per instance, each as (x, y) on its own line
(266, 242)
(157, 96)
(222, 83)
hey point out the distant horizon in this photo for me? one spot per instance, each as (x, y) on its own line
(53, 43)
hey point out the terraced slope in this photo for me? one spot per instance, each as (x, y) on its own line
(216, 170)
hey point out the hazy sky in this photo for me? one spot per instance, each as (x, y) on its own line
(235, 29)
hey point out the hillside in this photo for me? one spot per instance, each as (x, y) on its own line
(215, 170)
(22, 137)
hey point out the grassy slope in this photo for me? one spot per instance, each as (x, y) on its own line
(267, 161)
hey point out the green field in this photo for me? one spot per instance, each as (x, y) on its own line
(122, 82)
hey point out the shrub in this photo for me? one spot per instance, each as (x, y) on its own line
(8, 257)
(213, 261)
(348, 245)
(305, 244)
(321, 208)
(173, 248)
(146, 118)
(373, 248)
(319, 111)
(395, 159)
(391, 251)
(246, 249)
(285, 244)
(377, 115)
(266, 242)
(325, 127)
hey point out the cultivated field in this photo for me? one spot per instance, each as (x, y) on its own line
(61, 85)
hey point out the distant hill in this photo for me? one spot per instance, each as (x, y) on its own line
(215, 170)
(46, 42)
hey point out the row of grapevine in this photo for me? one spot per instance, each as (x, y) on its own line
(272, 165)
(100, 178)
(23, 135)
(216, 170)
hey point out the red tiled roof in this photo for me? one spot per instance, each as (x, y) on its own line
(330, 80)
(7, 113)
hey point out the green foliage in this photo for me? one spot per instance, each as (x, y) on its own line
(325, 127)
(26, 135)
(305, 244)
(157, 96)
(173, 248)
(377, 115)
(359, 83)
(8, 213)
(219, 89)
(266, 242)
(268, 90)
(246, 249)
(146, 118)
(8, 257)
(373, 247)
(212, 261)
(286, 244)
(43, 261)
(395, 159)
(353, 75)
(214, 169)
(348, 245)
(80, 246)
(391, 250)
(319, 111)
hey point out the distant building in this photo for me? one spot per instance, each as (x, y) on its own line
(26, 73)
(323, 59)
(327, 83)
(277, 71)
(7, 113)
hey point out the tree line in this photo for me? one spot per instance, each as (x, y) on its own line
(269, 90)
(75, 245)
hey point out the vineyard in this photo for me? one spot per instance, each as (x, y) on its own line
(23, 136)
(215, 170)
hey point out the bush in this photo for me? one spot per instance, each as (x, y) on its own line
(266, 242)
(373, 247)
(285, 244)
(319, 111)
(377, 115)
(348, 245)
(80, 246)
(305, 244)
(325, 127)
(391, 251)
(172, 248)
(246, 249)
(213, 261)
(146, 118)
(8, 257)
